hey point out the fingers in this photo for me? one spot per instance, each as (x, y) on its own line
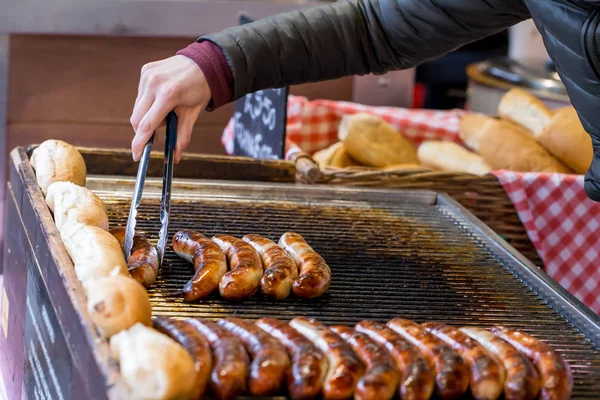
(142, 105)
(150, 122)
(186, 120)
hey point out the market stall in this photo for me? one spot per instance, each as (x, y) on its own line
(415, 260)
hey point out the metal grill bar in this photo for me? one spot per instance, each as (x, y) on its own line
(413, 261)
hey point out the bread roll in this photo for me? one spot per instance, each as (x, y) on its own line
(75, 204)
(334, 156)
(155, 366)
(56, 161)
(95, 252)
(566, 139)
(343, 127)
(116, 303)
(469, 128)
(372, 142)
(525, 109)
(505, 146)
(323, 157)
(451, 157)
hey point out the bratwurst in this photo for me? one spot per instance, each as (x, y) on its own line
(315, 275)
(210, 264)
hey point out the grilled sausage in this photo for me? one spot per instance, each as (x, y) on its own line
(522, 379)
(452, 373)
(381, 376)
(270, 361)
(315, 274)
(487, 374)
(195, 344)
(417, 379)
(231, 362)
(309, 365)
(280, 268)
(344, 368)
(209, 263)
(557, 379)
(246, 269)
(143, 262)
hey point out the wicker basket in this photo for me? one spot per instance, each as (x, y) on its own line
(484, 196)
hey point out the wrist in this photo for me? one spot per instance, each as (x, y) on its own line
(211, 60)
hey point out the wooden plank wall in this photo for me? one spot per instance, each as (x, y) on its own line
(82, 89)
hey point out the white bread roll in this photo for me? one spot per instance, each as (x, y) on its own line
(566, 139)
(155, 366)
(523, 108)
(71, 203)
(504, 145)
(95, 252)
(116, 303)
(334, 156)
(372, 142)
(56, 161)
(469, 128)
(451, 157)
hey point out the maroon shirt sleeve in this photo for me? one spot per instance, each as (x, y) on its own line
(212, 62)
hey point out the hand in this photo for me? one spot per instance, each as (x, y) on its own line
(176, 83)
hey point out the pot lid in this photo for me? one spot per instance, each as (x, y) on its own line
(537, 77)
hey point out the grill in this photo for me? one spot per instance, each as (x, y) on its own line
(417, 256)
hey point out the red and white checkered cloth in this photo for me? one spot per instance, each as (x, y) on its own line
(560, 220)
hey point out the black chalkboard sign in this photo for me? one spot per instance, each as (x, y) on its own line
(259, 121)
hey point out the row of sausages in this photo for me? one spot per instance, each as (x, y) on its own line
(371, 360)
(255, 262)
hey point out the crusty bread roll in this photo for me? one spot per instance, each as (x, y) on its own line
(566, 139)
(523, 108)
(56, 161)
(71, 203)
(334, 156)
(469, 128)
(372, 142)
(323, 157)
(155, 366)
(343, 127)
(116, 303)
(95, 252)
(451, 157)
(504, 145)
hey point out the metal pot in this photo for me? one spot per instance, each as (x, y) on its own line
(490, 80)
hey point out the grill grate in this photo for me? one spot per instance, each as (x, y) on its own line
(413, 261)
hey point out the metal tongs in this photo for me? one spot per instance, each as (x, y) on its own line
(165, 202)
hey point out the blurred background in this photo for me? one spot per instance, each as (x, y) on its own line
(69, 69)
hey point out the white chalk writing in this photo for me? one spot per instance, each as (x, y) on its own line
(250, 142)
(256, 105)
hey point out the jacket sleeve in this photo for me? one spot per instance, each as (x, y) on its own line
(356, 37)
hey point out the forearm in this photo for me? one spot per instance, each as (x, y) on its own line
(355, 37)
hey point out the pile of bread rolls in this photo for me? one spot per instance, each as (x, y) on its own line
(152, 364)
(525, 137)
(528, 137)
(367, 141)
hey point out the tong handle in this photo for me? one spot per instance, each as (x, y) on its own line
(137, 198)
(170, 144)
